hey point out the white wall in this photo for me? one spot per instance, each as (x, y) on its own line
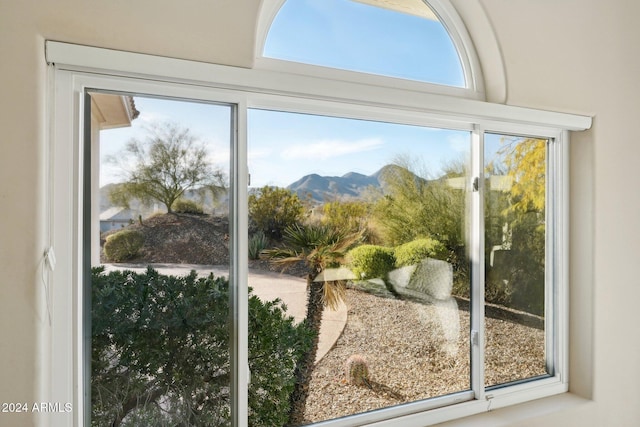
(571, 55)
(582, 56)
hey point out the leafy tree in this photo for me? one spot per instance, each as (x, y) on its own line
(516, 221)
(160, 352)
(525, 160)
(319, 247)
(168, 162)
(272, 209)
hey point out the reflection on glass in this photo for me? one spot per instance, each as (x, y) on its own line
(515, 258)
(159, 196)
(367, 222)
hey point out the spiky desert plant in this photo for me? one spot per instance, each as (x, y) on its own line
(356, 370)
(319, 247)
(257, 243)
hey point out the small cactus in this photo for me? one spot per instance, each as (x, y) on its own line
(357, 370)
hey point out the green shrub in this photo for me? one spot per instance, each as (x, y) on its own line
(187, 206)
(162, 342)
(273, 209)
(123, 245)
(257, 243)
(352, 217)
(371, 261)
(415, 251)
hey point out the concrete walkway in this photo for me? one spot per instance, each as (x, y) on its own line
(267, 286)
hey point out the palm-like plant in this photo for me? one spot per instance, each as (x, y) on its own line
(319, 247)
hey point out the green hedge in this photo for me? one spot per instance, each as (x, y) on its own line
(415, 251)
(123, 245)
(160, 352)
(371, 261)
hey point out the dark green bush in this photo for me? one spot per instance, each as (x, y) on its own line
(415, 251)
(187, 206)
(123, 245)
(160, 352)
(371, 261)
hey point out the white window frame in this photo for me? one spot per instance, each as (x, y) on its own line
(76, 68)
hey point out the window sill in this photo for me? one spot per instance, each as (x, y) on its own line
(528, 411)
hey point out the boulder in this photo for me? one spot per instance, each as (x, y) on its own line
(433, 277)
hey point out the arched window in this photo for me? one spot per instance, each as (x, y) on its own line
(452, 214)
(402, 39)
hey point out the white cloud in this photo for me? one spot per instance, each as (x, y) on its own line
(330, 148)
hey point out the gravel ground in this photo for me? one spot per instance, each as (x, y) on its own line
(415, 351)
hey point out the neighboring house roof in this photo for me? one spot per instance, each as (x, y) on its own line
(133, 111)
(113, 111)
(116, 214)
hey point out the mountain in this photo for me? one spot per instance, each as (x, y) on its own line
(321, 188)
(351, 185)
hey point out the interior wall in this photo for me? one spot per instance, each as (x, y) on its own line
(581, 56)
(574, 56)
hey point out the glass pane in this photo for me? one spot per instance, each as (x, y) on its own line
(404, 39)
(359, 228)
(160, 228)
(515, 249)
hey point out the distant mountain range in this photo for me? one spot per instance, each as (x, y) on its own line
(351, 185)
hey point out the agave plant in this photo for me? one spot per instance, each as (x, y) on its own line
(319, 247)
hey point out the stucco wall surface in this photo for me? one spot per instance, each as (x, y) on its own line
(573, 55)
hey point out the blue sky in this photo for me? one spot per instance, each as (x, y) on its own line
(355, 36)
(283, 147)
